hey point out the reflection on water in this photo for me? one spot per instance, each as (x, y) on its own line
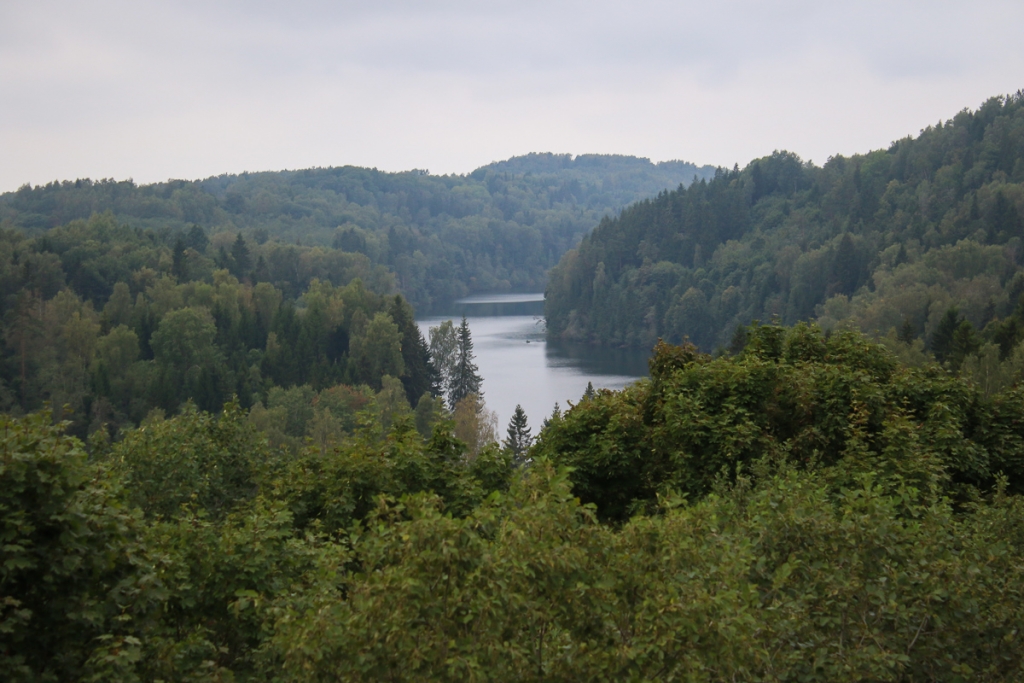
(519, 366)
(598, 360)
(492, 305)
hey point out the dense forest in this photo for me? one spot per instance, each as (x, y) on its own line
(228, 454)
(113, 325)
(806, 509)
(499, 228)
(920, 241)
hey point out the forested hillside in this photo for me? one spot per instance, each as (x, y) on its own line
(109, 323)
(247, 471)
(498, 228)
(921, 241)
(807, 509)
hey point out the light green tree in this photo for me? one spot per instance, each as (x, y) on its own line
(377, 351)
(444, 353)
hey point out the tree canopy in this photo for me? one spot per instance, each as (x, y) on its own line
(881, 241)
(499, 228)
(807, 509)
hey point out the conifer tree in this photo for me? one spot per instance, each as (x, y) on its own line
(178, 259)
(197, 239)
(519, 440)
(556, 415)
(420, 376)
(240, 259)
(466, 381)
(907, 333)
(942, 338)
(589, 392)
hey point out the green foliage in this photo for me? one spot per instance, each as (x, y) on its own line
(444, 354)
(518, 439)
(465, 380)
(342, 486)
(68, 557)
(134, 336)
(890, 239)
(795, 395)
(419, 375)
(215, 579)
(780, 581)
(499, 228)
(377, 351)
(807, 509)
(195, 460)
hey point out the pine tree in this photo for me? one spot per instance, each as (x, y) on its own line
(197, 239)
(223, 260)
(466, 380)
(846, 271)
(261, 273)
(556, 415)
(739, 341)
(519, 440)
(240, 258)
(589, 393)
(419, 376)
(178, 259)
(965, 343)
(942, 338)
(907, 332)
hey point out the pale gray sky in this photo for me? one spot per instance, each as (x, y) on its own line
(189, 89)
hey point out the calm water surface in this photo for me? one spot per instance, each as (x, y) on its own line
(519, 366)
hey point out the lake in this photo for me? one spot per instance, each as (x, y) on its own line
(519, 366)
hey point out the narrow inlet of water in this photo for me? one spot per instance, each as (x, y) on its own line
(519, 366)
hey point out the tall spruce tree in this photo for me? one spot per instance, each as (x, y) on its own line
(241, 261)
(942, 338)
(519, 440)
(420, 376)
(466, 381)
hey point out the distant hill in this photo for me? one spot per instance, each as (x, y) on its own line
(922, 240)
(620, 174)
(499, 228)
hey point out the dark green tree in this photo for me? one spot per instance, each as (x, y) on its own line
(965, 343)
(1004, 221)
(519, 440)
(942, 338)
(556, 415)
(197, 239)
(466, 380)
(189, 360)
(739, 340)
(178, 259)
(847, 267)
(223, 260)
(419, 376)
(68, 549)
(907, 332)
(241, 261)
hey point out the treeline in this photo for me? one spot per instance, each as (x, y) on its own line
(114, 323)
(806, 509)
(888, 242)
(498, 228)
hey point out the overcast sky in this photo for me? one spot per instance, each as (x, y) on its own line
(189, 89)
